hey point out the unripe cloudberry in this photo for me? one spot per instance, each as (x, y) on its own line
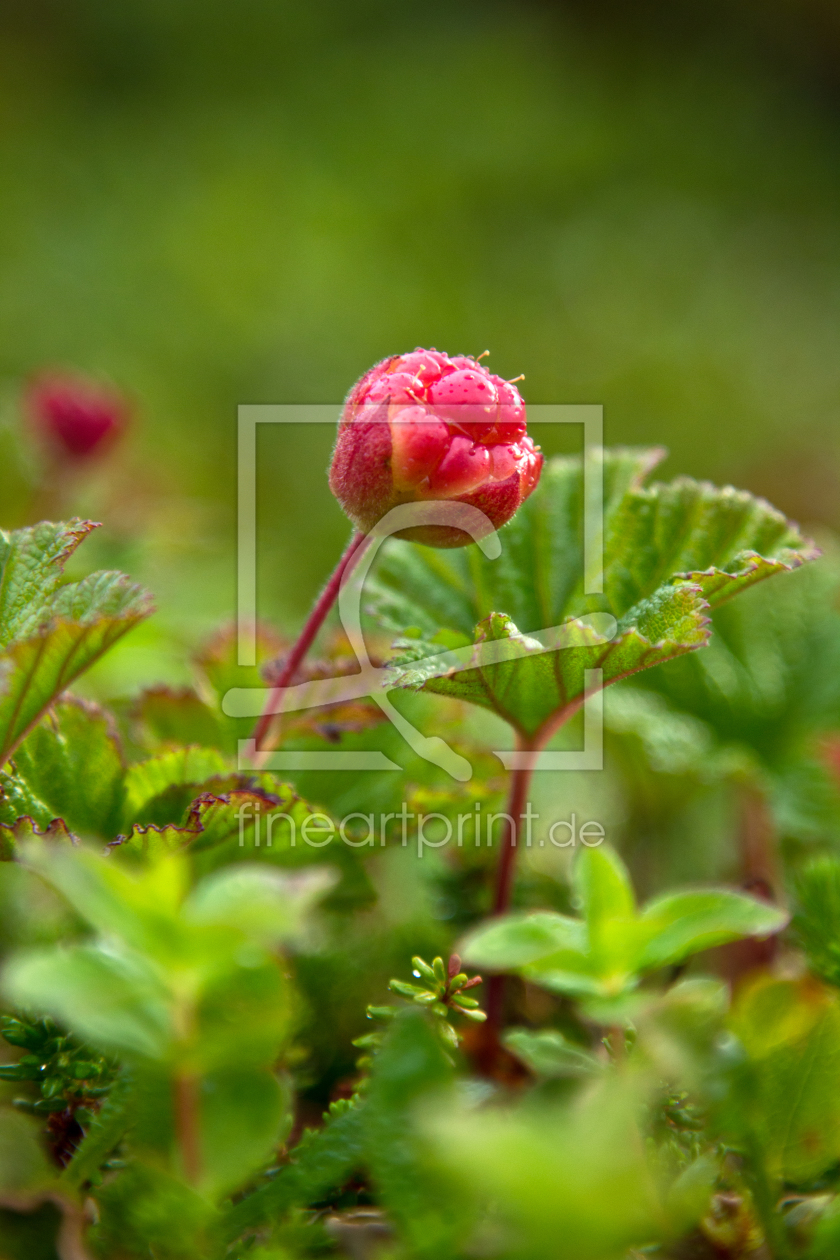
(425, 426)
(77, 418)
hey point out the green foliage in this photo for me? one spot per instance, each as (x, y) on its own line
(442, 996)
(50, 630)
(424, 1204)
(767, 692)
(784, 1103)
(671, 552)
(544, 1169)
(73, 763)
(817, 921)
(66, 1073)
(548, 1054)
(322, 1161)
(168, 986)
(604, 954)
(160, 789)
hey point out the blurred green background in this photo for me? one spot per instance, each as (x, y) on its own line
(632, 203)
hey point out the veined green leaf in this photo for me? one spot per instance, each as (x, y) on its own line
(264, 824)
(73, 762)
(17, 799)
(176, 717)
(670, 553)
(768, 688)
(50, 633)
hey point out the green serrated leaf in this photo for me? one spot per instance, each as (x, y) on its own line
(15, 837)
(670, 553)
(768, 686)
(17, 799)
(51, 633)
(160, 789)
(237, 824)
(73, 762)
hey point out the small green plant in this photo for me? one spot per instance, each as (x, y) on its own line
(70, 1079)
(443, 994)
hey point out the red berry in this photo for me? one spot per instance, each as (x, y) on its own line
(425, 426)
(76, 416)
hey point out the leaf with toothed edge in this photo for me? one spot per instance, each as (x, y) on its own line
(52, 631)
(219, 822)
(24, 829)
(73, 762)
(671, 553)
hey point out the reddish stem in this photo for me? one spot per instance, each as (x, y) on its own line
(313, 624)
(185, 1089)
(519, 783)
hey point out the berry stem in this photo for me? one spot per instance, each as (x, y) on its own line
(185, 1088)
(312, 625)
(519, 783)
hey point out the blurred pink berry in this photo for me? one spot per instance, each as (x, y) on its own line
(77, 417)
(424, 426)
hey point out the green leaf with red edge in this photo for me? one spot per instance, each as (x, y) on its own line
(52, 631)
(24, 829)
(671, 552)
(221, 821)
(73, 762)
(18, 799)
(161, 789)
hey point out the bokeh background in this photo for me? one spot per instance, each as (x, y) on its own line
(214, 203)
